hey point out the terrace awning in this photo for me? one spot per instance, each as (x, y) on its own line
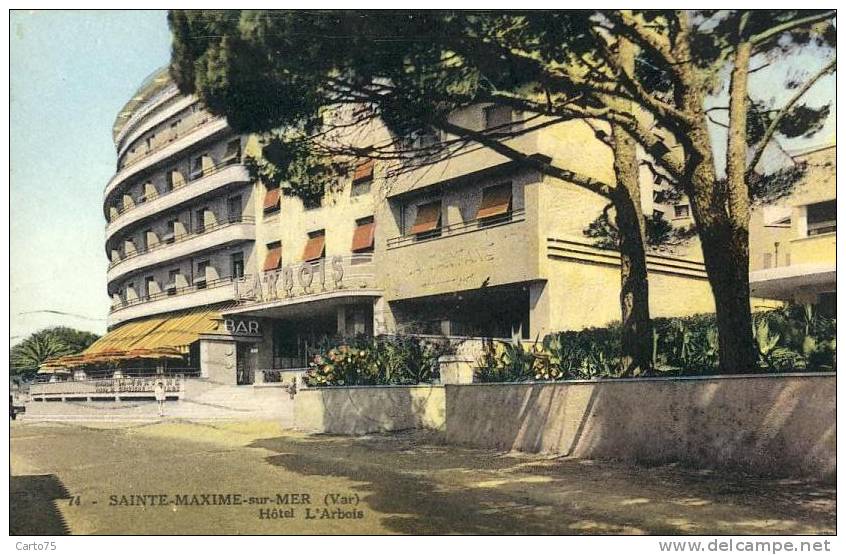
(162, 334)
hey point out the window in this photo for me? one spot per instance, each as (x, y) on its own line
(363, 172)
(129, 287)
(273, 258)
(496, 203)
(201, 219)
(150, 239)
(233, 209)
(822, 217)
(315, 248)
(427, 223)
(658, 214)
(236, 261)
(682, 211)
(272, 200)
(172, 279)
(312, 203)
(149, 142)
(174, 130)
(361, 188)
(767, 260)
(233, 152)
(365, 230)
(200, 277)
(170, 236)
(172, 179)
(497, 116)
(196, 168)
(149, 286)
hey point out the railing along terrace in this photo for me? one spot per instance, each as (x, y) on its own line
(210, 284)
(146, 383)
(150, 105)
(205, 172)
(174, 135)
(198, 231)
(461, 228)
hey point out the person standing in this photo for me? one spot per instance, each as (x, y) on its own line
(159, 390)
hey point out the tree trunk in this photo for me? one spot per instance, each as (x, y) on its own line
(720, 211)
(636, 340)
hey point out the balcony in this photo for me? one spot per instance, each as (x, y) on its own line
(154, 113)
(819, 248)
(215, 291)
(213, 236)
(217, 177)
(461, 228)
(195, 135)
(469, 162)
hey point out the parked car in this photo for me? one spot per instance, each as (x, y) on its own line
(15, 409)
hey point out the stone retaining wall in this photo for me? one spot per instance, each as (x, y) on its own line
(772, 424)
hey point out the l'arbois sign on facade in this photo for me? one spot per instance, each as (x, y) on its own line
(291, 281)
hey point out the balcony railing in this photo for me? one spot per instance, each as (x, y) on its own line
(173, 136)
(220, 166)
(470, 226)
(175, 292)
(151, 104)
(205, 229)
(130, 384)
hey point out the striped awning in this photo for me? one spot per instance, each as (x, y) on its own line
(174, 331)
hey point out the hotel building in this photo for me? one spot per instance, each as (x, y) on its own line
(793, 241)
(245, 280)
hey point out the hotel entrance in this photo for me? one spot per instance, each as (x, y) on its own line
(290, 335)
(245, 363)
(296, 340)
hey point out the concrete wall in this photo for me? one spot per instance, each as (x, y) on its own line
(777, 424)
(578, 271)
(362, 410)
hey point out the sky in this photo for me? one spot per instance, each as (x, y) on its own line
(70, 74)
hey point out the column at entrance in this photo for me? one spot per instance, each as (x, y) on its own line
(218, 359)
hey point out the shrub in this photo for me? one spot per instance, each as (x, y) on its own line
(383, 360)
(792, 338)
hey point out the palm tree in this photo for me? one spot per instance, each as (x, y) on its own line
(28, 355)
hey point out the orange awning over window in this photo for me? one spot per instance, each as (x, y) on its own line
(428, 218)
(271, 199)
(496, 201)
(314, 247)
(363, 171)
(273, 259)
(363, 236)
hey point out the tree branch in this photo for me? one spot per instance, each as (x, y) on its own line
(768, 135)
(764, 36)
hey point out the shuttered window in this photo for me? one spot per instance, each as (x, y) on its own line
(271, 200)
(273, 259)
(363, 172)
(315, 247)
(428, 218)
(496, 201)
(363, 237)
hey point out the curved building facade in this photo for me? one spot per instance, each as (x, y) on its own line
(246, 280)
